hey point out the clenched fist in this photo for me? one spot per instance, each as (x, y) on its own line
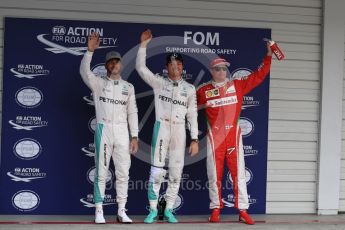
(145, 37)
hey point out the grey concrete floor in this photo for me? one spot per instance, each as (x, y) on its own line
(267, 222)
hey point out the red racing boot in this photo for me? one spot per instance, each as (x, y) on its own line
(215, 216)
(245, 217)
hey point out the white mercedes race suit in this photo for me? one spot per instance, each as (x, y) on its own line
(174, 101)
(116, 109)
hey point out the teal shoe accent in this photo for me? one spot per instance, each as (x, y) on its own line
(169, 216)
(151, 217)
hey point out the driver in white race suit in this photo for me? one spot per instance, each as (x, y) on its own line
(175, 100)
(116, 110)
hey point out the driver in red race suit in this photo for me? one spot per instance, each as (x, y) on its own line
(222, 100)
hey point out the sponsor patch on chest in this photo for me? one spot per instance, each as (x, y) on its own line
(222, 101)
(124, 90)
(183, 92)
(212, 93)
(231, 89)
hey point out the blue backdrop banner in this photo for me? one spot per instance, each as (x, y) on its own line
(48, 118)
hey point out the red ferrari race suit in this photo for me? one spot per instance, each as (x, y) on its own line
(222, 106)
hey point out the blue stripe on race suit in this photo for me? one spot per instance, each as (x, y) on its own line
(98, 138)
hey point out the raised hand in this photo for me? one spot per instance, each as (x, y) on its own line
(93, 42)
(145, 38)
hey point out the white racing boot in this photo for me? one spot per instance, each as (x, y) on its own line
(122, 216)
(99, 218)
